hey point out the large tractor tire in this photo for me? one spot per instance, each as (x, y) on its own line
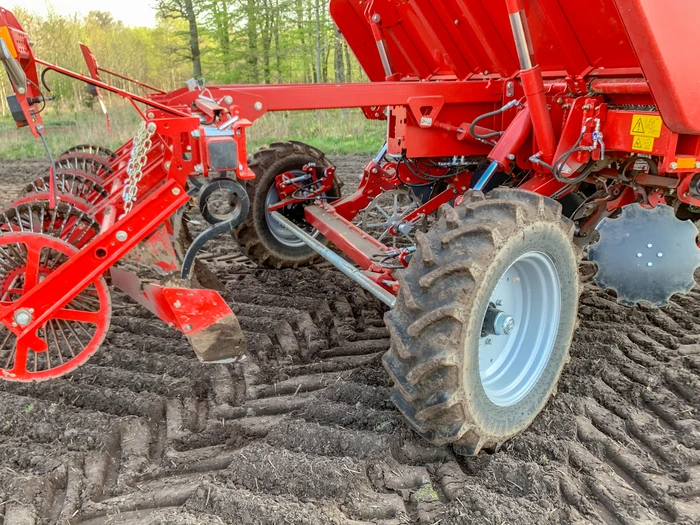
(262, 238)
(484, 320)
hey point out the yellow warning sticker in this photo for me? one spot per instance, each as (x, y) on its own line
(646, 126)
(643, 144)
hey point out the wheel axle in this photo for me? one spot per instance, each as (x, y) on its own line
(497, 322)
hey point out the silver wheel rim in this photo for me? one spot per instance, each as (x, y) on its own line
(529, 293)
(279, 232)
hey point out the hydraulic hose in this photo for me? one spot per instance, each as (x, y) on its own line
(475, 124)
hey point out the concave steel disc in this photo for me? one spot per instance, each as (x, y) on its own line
(646, 254)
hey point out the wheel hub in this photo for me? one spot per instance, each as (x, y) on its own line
(520, 328)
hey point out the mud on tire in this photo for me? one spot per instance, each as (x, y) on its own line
(436, 327)
(254, 234)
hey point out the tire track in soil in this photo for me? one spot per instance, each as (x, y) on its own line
(304, 431)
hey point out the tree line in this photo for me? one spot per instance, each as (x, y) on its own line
(222, 41)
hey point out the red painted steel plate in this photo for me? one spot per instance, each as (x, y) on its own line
(663, 35)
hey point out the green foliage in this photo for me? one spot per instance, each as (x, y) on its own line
(241, 41)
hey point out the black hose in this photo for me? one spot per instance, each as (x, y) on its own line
(558, 166)
(485, 138)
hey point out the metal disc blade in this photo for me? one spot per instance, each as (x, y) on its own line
(646, 255)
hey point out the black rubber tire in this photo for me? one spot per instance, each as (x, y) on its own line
(253, 234)
(437, 322)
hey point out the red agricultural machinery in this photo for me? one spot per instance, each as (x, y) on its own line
(519, 132)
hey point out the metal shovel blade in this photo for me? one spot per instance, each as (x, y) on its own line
(209, 324)
(202, 315)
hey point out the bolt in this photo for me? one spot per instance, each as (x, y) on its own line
(508, 325)
(659, 255)
(673, 165)
(516, 281)
(639, 256)
(176, 191)
(177, 304)
(151, 115)
(152, 127)
(258, 106)
(228, 100)
(489, 341)
(22, 317)
(376, 18)
(650, 264)
(456, 22)
(122, 236)
(166, 165)
(499, 303)
(650, 245)
(511, 157)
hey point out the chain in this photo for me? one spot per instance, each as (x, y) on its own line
(134, 170)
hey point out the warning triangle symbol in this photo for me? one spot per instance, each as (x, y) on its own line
(638, 127)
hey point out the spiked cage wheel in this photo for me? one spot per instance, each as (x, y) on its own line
(67, 336)
(86, 164)
(64, 222)
(484, 320)
(83, 187)
(90, 150)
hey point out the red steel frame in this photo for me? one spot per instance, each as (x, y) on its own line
(425, 119)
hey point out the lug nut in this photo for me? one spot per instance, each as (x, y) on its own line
(22, 317)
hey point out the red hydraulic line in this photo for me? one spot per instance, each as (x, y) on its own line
(121, 92)
(133, 81)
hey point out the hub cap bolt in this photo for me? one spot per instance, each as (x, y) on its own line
(508, 325)
(504, 324)
(23, 317)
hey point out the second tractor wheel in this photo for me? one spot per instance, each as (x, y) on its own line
(264, 239)
(484, 320)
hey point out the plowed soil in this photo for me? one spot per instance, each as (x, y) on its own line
(302, 433)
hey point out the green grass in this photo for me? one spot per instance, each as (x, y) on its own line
(336, 132)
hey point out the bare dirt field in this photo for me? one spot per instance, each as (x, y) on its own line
(303, 432)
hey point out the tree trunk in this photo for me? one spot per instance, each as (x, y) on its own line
(317, 7)
(266, 34)
(253, 41)
(276, 32)
(348, 61)
(338, 60)
(302, 31)
(194, 39)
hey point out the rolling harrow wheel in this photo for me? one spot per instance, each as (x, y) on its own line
(67, 336)
(82, 187)
(64, 222)
(94, 166)
(90, 150)
(387, 210)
